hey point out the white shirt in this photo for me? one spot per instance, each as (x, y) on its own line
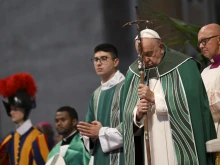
(211, 79)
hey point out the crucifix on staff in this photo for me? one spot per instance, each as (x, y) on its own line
(141, 68)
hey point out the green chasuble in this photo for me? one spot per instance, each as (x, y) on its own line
(189, 116)
(76, 153)
(104, 107)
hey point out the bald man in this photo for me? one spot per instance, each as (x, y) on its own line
(209, 43)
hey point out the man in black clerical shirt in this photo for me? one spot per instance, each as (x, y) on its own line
(70, 148)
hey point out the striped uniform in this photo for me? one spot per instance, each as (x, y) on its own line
(30, 148)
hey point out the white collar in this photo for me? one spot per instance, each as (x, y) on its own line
(69, 135)
(24, 127)
(117, 78)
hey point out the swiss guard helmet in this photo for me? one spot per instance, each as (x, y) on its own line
(20, 90)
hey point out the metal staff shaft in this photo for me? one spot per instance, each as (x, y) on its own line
(141, 71)
(141, 68)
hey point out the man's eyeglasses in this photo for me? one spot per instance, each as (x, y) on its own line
(103, 59)
(205, 40)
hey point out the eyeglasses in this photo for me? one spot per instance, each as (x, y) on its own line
(102, 59)
(205, 40)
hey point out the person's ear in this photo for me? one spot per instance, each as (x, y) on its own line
(162, 47)
(74, 122)
(218, 38)
(116, 62)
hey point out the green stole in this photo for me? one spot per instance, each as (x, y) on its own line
(104, 107)
(76, 153)
(188, 109)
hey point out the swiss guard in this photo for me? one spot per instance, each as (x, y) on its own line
(26, 145)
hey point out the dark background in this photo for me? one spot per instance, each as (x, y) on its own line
(53, 40)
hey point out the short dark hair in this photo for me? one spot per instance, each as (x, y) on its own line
(71, 111)
(105, 47)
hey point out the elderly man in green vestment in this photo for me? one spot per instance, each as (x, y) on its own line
(175, 100)
(102, 132)
(70, 150)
